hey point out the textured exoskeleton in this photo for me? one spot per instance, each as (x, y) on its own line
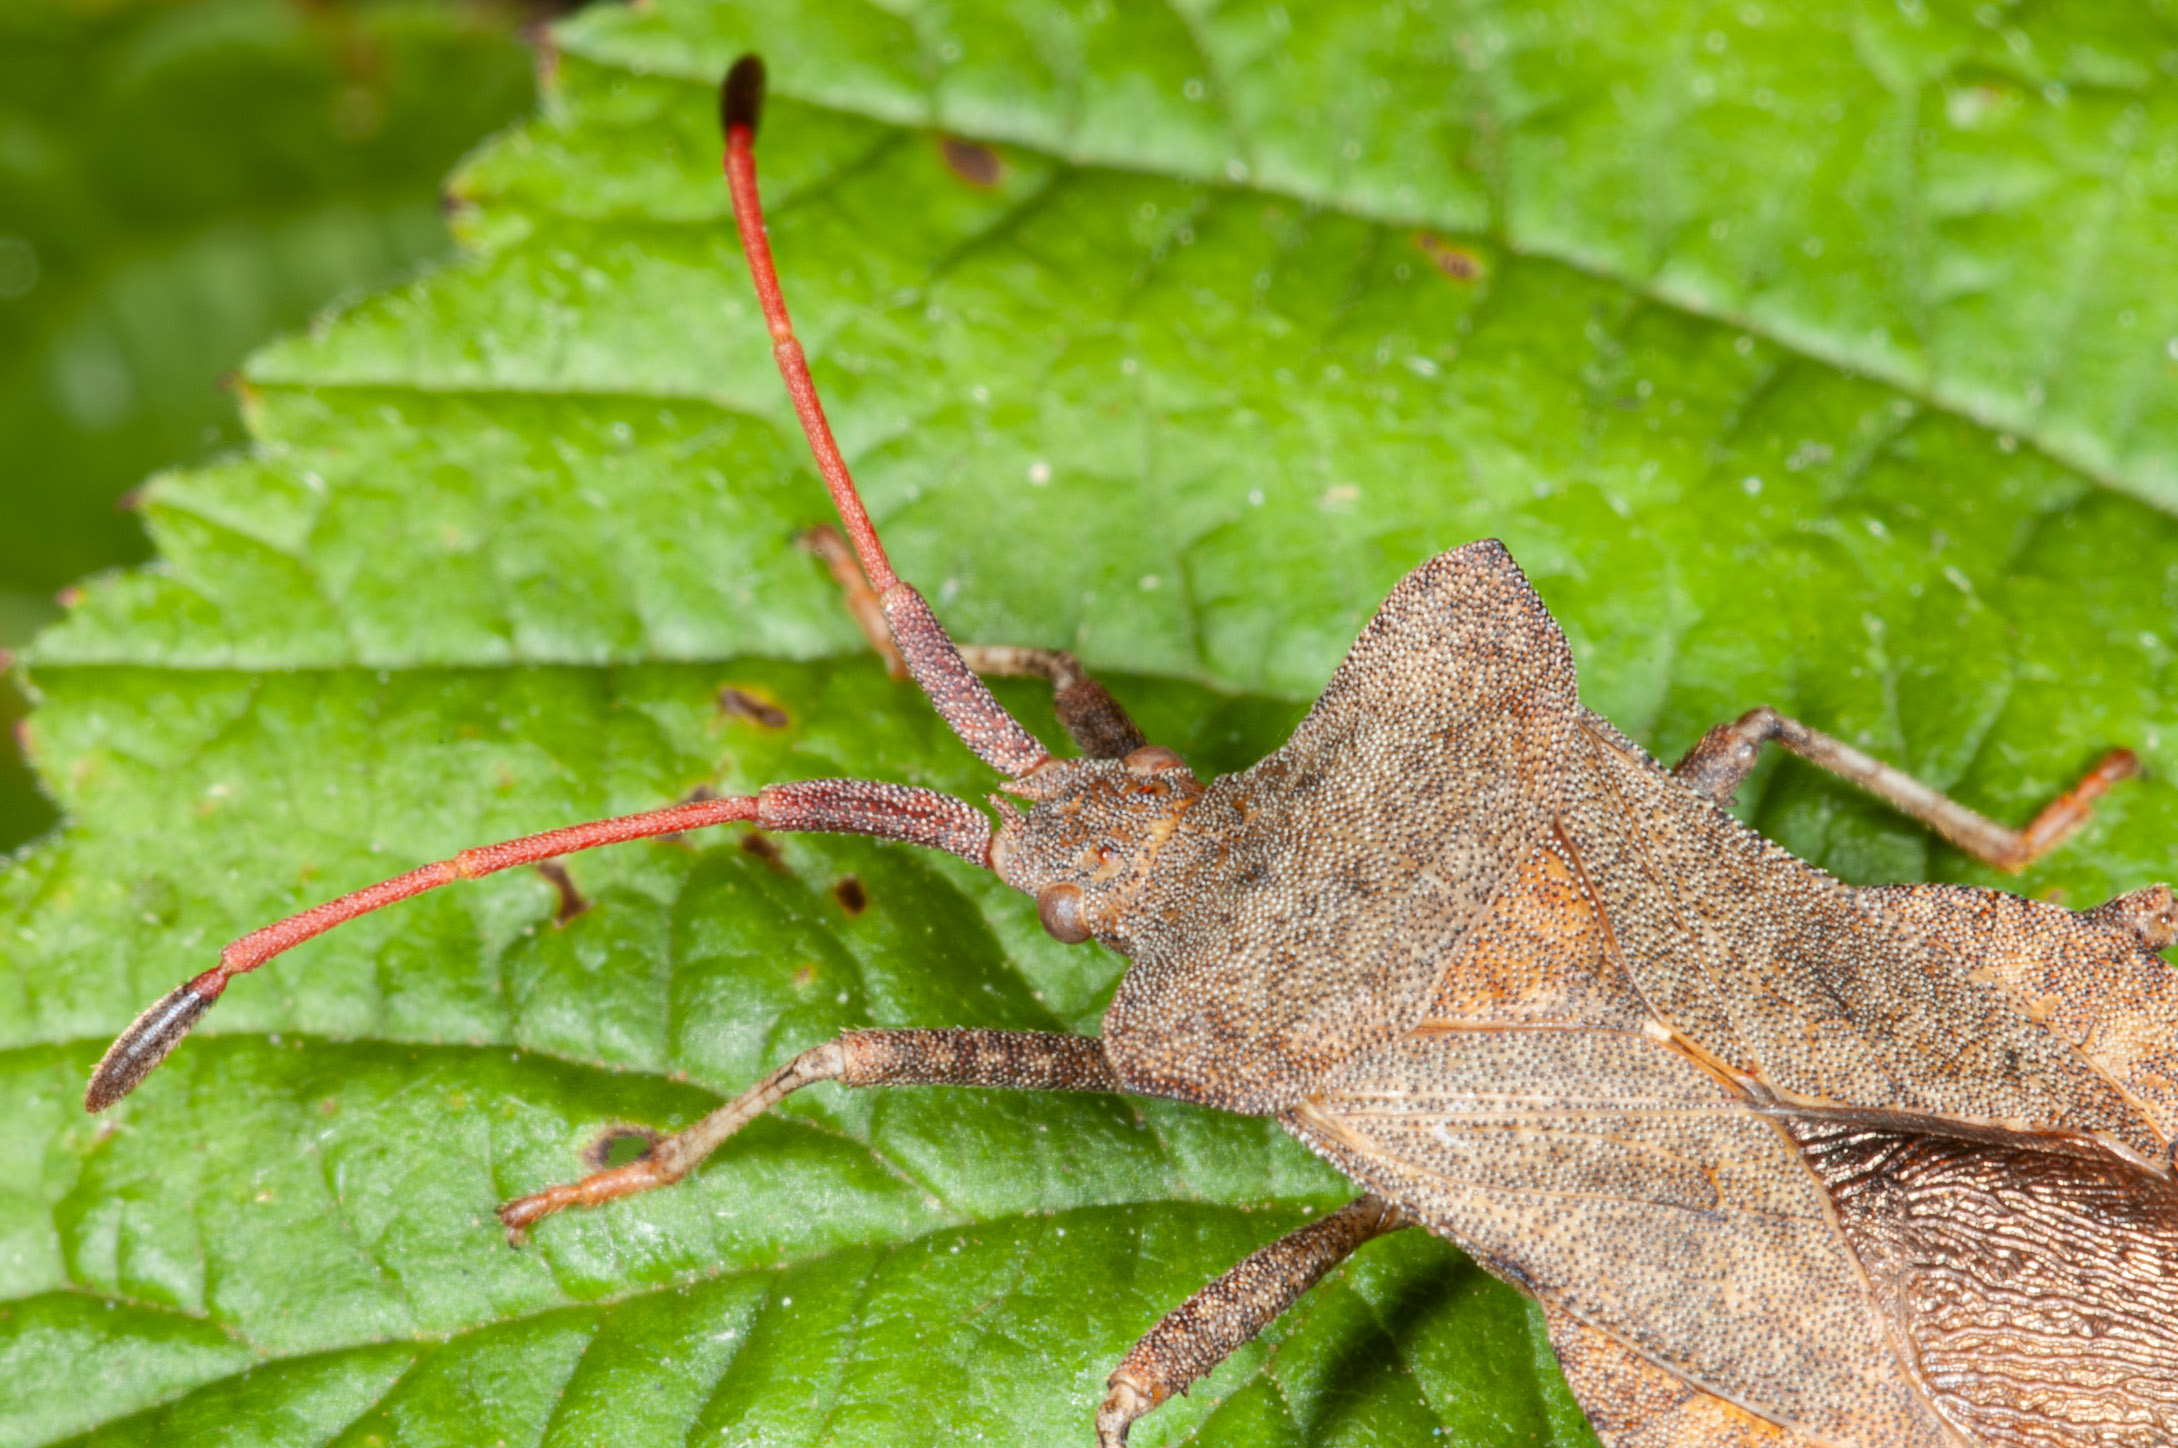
(1788, 1163)
(1785, 1161)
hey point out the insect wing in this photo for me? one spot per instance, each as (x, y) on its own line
(2035, 1280)
(1624, 1186)
(1821, 990)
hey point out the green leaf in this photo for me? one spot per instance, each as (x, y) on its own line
(179, 183)
(1815, 360)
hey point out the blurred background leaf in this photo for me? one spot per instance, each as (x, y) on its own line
(1815, 358)
(181, 180)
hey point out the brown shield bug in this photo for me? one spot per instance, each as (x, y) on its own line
(1786, 1162)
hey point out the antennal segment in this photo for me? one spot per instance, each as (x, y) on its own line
(836, 806)
(741, 103)
(960, 697)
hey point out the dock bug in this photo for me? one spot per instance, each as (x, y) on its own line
(1786, 1162)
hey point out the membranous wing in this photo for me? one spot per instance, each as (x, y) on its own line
(1628, 1188)
(2032, 1280)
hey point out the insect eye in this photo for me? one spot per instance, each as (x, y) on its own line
(1059, 907)
(1154, 759)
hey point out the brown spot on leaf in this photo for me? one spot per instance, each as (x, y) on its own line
(1455, 262)
(619, 1145)
(759, 844)
(741, 704)
(571, 901)
(851, 896)
(973, 162)
(805, 976)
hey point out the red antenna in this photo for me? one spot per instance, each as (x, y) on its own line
(844, 806)
(741, 104)
(953, 688)
(836, 806)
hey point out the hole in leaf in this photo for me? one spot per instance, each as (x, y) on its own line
(620, 1145)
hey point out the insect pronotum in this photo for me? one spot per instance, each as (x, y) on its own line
(1786, 1162)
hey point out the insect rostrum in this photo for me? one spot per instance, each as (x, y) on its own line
(1786, 1162)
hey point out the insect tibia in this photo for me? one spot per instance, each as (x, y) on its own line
(741, 98)
(149, 1038)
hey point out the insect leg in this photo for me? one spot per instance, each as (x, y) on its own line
(1095, 720)
(1726, 755)
(1097, 723)
(855, 591)
(1019, 1060)
(1209, 1327)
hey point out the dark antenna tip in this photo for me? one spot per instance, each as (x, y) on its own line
(741, 98)
(145, 1044)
